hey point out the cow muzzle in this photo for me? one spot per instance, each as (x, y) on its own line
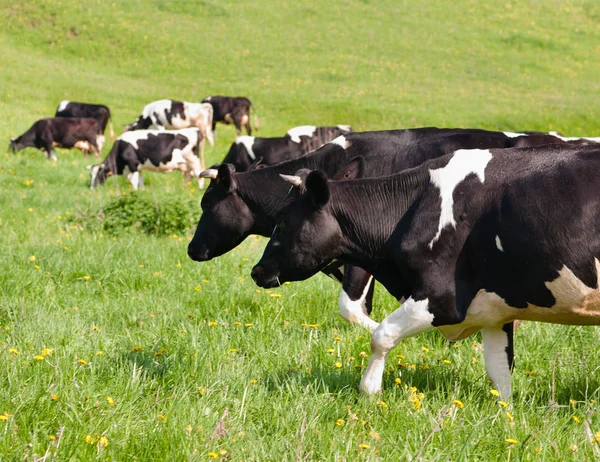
(265, 278)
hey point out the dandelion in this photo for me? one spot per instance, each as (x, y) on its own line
(39, 357)
(103, 441)
(503, 403)
(137, 348)
(459, 404)
(178, 265)
(248, 324)
(89, 439)
(574, 448)
(197, 288)
(362, 354)
(213, 323)
(237, 323)
(161, 417)
(37, 267)
(446, 361)
(32, 258)
(201, 390)
(338, 365)
(47, 351)
(425, 349)
(275, 295)
(5, 416)
(494, 392)
(54, 397)
(382, 404)
(52, 437)
(572, 402)
(397, 380)
(528, 372)
(83, 362)
(576, 419)
(340, 422)
(14, 351)
(365, 446)
(214, 455)
(253, 381)
(313, 326)
(99, 353)
(86, 278)
(330, 351)
(337, 339)
(110, 401)
(511, 441)
(510, 416)
(222, 452)
(141, 266)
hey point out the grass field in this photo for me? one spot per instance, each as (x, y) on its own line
(116, 346)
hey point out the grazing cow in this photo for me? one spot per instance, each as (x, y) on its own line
(46, 134)
(232, 110)
(175, 115)
(93, 111)
(155, 150)
(248, 151)
(237, 205)
(471, 241)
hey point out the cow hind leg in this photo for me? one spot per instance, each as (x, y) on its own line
(411, 318)
(499, 356)
(50, 154)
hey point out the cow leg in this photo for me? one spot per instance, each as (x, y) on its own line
(356, 297)
(499, 356)
(202, 165)
(246, 123)
(137, 181)
(412, 318)
(50, 154)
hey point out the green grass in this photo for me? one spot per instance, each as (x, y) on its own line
(180, 341)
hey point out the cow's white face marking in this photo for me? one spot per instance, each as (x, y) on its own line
(345, 128)
(495, 341)
(463, 163)
(355, 311)
(341, 141)
(248, 142)
(303, 130)
(514, 135)
(411, 318)
(94, 174)
(574, 138)
(62, 105)
(576, 304)
(499, 244)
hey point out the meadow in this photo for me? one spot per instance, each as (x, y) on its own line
(116, 346)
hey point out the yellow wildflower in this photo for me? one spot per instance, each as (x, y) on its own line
(511, 441)
(214, 455)
(32, 258)
(340, 422)
(213, 323)
(503, 403)
(137, 348)
(574, 448)
(110, 401)
(14, 351)
(572, 402)
(237, 323)
(362, 354)
(248, 324)
(86, 278)
(458, 404)
(54, 397)
(253, 381)
(397, 380)
(494, 392)
(47, 351)
(39, 357)
(510, 416)
(576, 419)
(5, 416)
(365, 446)
(103, 441)
(337, 339)
(83, 362)
(201, 390)
(338, 365)
(89, 439)
(383, 404)
(222, 452)
(446, 361)
(161, 417)
(52, 437)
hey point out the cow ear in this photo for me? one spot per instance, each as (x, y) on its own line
(354, 169)
(317, 188)
(226, 177)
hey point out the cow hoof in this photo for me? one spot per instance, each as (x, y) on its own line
(370, 387)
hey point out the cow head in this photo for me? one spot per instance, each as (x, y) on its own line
(15, 144)
(226, 219)
(307, 236)
(99, 173)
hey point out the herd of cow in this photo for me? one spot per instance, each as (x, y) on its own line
(469, 229)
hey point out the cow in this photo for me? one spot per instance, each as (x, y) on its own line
(154, 150)
(248, 151)
(175, 115)
(93, 111)
(237, 205)
(46, 134)
(232, 110)
(469, 241)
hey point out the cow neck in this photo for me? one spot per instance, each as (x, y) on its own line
(265, 192)
(369, 210)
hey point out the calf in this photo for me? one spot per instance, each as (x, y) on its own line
(98, 112)
(232, 110)
(471, 241)
(247, 151)
(155, 150)
(46, 134)
(237, 205)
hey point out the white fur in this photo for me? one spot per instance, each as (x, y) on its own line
(463, 163)
(341, 141)
(514, 135)
(62, 105)
(303, 130)
(499, 244)
(411, 318)
(247, 141)
(355, 311)
(345, 128)
(495, 341)
(574, 138)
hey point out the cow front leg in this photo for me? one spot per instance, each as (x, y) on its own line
(356, 297)
(50, 154)
(499, 356)
(412, 318)
(137, 181)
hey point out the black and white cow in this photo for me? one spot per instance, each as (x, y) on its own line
(237, 205)
(154, 150)
(247, 151)
(232, 110)
(46, 134)
(471, 241)
(84, 110)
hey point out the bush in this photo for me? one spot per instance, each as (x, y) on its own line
(133, 213)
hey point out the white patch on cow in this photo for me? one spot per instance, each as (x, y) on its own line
(136, 135)
(341, 141)
(83, 145)
(345, 128)
(574, 138)
(94, 173)
(208, 98)
(244, 120)
(62, 105)
(248, 142)
(514, 135)
(161, 106)
(355, 311)
(463, 163)
(495, 341)
(100, 140)
(576, 304)
(411, 318)
(303, 130)
(499, 244)
(135, 180)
